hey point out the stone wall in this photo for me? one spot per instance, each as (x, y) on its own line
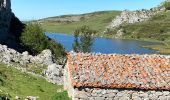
(90, 93)
(67, 81)
(118, 94)
(85, 93)
(82, 85)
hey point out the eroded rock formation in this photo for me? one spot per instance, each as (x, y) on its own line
(10, 25)
(5, 20)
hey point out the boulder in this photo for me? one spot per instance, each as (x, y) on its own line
(45, 57)
(17, 98)
(54, 73)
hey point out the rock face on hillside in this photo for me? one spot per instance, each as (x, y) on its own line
(10, 26)
(5, 19)
(134, 16)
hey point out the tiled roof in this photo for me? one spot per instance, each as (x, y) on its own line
(150, 72)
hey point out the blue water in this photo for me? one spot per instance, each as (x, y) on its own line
(105, 45)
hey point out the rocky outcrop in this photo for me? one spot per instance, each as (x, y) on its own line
(5, 20)
(10, 26)
(53, 72)
(134, 16)
(9, 56)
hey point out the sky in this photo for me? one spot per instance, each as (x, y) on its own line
(37, 9)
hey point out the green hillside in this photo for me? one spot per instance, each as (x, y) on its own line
(155, 29)
(15, 83)
(97, 21)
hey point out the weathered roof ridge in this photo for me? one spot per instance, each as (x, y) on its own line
(130, 71)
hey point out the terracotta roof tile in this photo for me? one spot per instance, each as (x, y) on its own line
(120, 71)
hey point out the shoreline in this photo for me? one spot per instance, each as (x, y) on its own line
(157, 46)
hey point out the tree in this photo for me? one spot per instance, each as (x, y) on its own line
(83, 39)
(34, 40)
(76, 43)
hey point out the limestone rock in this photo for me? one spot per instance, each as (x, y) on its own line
(5, 18)
(131, 17)
(134, 16)
(31, 98)
(54, 73)
(17, 98)
(46, 57)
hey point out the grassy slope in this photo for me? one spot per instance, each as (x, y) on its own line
(16, 83)
(156, 29)
(97, 21)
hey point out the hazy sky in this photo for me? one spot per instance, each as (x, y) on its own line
(36, 9)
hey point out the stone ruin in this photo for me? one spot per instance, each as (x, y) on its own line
(117, 77)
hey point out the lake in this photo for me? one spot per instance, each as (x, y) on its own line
(106, 45)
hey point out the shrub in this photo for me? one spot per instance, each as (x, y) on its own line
(167, 5)
(86, 39)
(57, 50)
(35, 41)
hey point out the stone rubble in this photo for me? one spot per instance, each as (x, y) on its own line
(8, 56)
(13, 58)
